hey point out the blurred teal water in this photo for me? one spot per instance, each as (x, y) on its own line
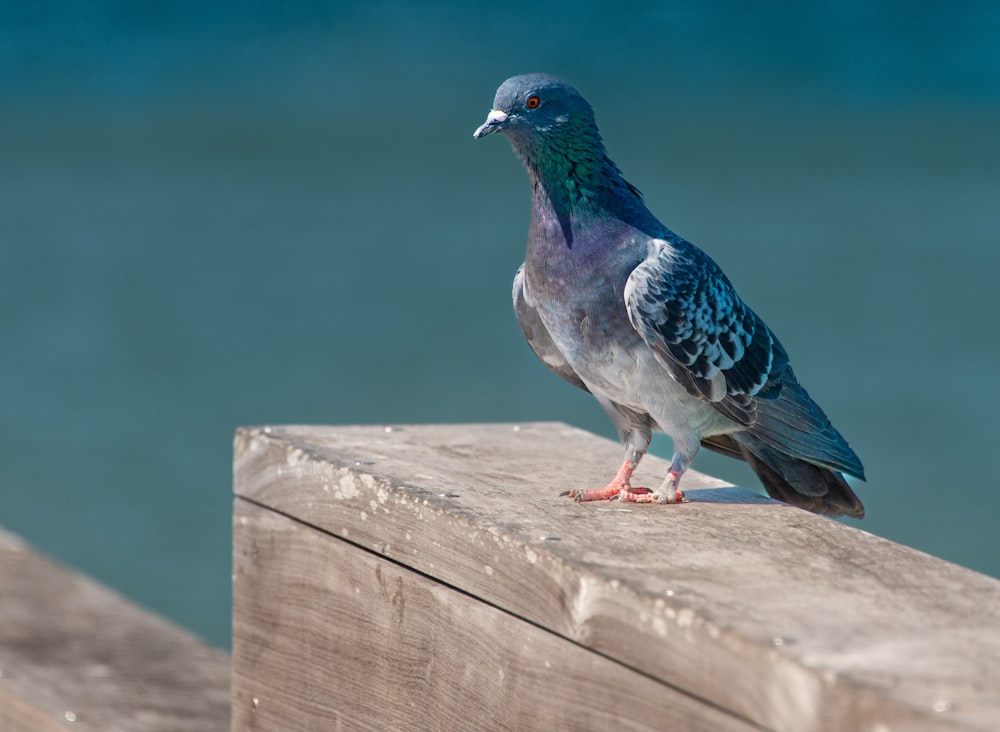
(235, 214)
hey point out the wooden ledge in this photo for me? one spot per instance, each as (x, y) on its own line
(76, 656)
(352, 544)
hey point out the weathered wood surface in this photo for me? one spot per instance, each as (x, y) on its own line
(331, 637)
(76, 656)
(783, 618)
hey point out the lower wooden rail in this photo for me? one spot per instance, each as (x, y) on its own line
(76, 656)
(431, 577)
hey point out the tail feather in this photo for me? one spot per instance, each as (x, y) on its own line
(793, 424)
(789, 479)
(837, 498)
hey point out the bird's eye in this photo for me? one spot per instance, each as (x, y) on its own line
(532, 102)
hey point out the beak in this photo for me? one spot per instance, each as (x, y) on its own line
(495, 120)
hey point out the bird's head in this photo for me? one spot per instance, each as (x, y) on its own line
(552, 129)
(533, 108)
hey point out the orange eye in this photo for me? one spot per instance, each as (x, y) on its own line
(532, 102)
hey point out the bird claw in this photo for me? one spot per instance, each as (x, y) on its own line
(595, 494)
(628, 494)
(611, 492)
(620, 489)
(624, 494)
(650, 497)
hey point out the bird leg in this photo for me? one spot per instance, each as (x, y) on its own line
(669, 491)
(619, 487)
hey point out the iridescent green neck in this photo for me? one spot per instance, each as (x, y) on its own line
(576, 175)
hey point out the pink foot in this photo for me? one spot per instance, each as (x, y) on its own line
(673, 494)
(611, 491)
(648, 497)
(618, 485)
(621, 490)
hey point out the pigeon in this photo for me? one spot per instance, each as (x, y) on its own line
(619, 305)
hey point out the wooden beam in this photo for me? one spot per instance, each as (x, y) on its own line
(785, 620)
(76, 656)
(335, 637)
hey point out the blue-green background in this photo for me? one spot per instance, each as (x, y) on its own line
(226, 213)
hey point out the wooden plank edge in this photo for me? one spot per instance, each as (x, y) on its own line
(75, 655)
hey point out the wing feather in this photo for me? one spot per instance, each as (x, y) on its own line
(714, 345)
(687, 311)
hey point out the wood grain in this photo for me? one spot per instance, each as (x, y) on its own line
(76, 656)
(328, 636)
(791, 620)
